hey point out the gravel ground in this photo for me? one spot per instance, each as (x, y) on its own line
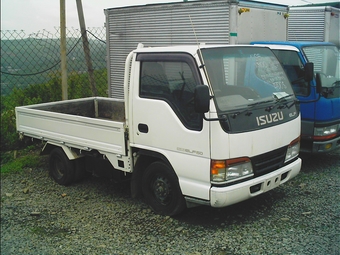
(98, 216)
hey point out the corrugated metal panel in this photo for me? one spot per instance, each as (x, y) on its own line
(264, 6)
(314, 55)
(161, 25)
(306, 25)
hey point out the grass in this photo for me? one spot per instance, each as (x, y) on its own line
(50, 232)
(17, 161)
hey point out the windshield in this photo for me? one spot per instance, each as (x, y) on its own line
(294, 69)
(245, 76)
(326, 61)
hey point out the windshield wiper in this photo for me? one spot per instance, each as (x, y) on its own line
(281, 95)
(284, 98)
(259, 102)
(330, 91)
(247, 111)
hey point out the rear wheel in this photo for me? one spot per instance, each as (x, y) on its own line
(60, 167)
(80, 169)
(161, 189)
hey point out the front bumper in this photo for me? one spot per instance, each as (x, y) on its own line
(310, 146)
(326, 146)
(224, 196)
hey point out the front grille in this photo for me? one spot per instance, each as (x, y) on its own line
(268, 162)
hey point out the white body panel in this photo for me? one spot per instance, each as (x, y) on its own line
(264, 140)
(253, 143)
(84, 133)
(77, 132)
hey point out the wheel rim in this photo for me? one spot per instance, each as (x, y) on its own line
(161, 189)
(58, 169)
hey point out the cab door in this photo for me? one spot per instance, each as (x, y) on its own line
(164, 120)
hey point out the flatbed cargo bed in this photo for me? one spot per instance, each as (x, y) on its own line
(94, 123)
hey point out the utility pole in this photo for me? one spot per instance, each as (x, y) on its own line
(86, 47)
(63, 50)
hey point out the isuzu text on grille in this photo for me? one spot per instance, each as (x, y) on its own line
(269, 118)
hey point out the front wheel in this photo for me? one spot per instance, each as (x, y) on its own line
(60, 167)
(161, 189)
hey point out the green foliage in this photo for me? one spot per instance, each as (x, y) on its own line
(13, 161)
(30, 60)
(20, 163)
(79, 87)
(59, 232)
(8, 130)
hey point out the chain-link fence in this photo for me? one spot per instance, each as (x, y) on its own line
(30, 71)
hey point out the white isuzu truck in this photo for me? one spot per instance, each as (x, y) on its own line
(211, 125)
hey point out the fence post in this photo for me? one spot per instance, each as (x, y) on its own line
(63, 51)
(86, 47)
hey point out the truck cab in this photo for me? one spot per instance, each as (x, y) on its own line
(225, 139)
(319, 97)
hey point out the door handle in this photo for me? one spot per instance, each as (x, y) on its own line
(143, 128)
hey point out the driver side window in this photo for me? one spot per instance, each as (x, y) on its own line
(173, 82)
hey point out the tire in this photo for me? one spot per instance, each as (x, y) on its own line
(161, 190)
(61, 169)
(80, 171)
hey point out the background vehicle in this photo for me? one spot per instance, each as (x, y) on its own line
(240, 22)
(187, 23)
(320, 96)
(314, 23)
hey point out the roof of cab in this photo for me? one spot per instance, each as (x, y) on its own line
(279, 47)
(298, 44)
(192, 49)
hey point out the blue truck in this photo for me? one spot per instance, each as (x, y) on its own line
(313, 69)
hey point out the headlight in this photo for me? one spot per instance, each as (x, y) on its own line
(230, 170)
(293, 149)
(325, 133)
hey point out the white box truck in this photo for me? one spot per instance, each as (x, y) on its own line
(314, 23)
(211, 22)
(180, 142)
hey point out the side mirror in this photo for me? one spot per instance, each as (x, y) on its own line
(318, 90)
(202, 99)
(318, 83)
(309, 71)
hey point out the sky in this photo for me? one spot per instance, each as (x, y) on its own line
(33, 16)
